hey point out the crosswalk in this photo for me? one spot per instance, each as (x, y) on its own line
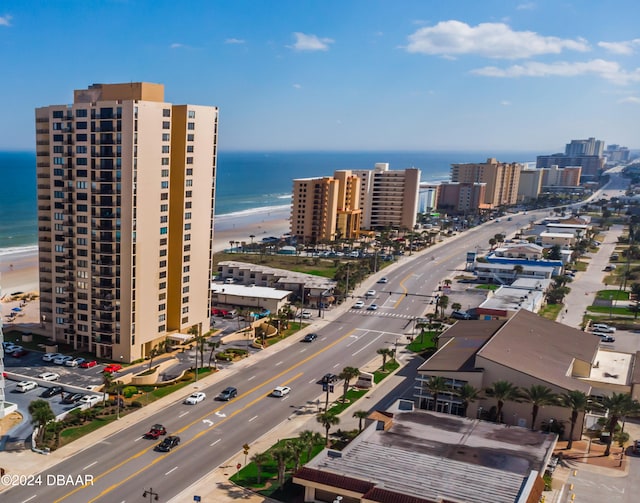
(365, 312)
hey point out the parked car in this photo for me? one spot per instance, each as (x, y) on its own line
(52, 391)
(49, 376)
(605, 337)
(280, 391)
(358, 305)
(305, 315)
(72, 398)
(168, 443)
(19, 353)
(310, 337)
(49, 357)
(61, 360)
(74, 362)
(88, 364)
(383, 280)
(155, 432)
(604, 328)
(113, 367)
(636, 446)
(195, 398)
(461, 315)
(90, 400)
(227, 394)
(372, 307)
(24, 386)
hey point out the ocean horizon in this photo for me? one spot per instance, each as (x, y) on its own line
(248, 183)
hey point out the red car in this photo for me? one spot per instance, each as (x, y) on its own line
(88, 364)
(113, 367)
(155, 431)
(20, 353)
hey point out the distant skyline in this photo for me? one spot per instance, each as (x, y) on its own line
(342, 75)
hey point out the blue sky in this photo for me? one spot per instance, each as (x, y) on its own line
(340, 74)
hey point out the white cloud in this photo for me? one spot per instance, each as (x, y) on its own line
(631, 99)
(5, 20)
(626, 47)
(297, 86)
(177, 45)
(493, 40)
(505, 103)
(234, 41)
(306, 42)
(526, 6)
(608, 70)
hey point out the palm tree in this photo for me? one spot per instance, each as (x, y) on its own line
(619, 405)
(502, 391)
(517, 270)
(443, 302)
(385, 352)
(327, 420)
(310, 439)
(41, 414)
(281, 454)
(539, 396)
(260, 459)
(456, 306)
(578, 402)
(361, 415)
(435, 386)
(347, 374)
(468, 394)
(297, 447)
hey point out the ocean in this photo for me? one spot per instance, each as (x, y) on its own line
(247, 182)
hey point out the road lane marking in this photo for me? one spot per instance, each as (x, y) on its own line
(90, 465)
(147, 449)
(183, 414)
(251, 378)
(208, 422)
(253, 418)
(312, 381)
(404, 288)
(214, 443)
(172, 470)
(137, 439)
(29, 499)
(369, 344)
(277, 364)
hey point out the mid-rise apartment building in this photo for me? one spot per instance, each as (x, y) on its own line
(530, 184)
(126, 187)
(555, 176)
(314, 209)
(590, 146)
(501, 180)
(462, 197)
(349, 211)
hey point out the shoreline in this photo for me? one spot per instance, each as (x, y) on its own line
(19, 266)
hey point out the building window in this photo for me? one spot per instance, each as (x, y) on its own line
(166, 112)
(163, 252)
(164, 172)
(162, 307)
(164, 185)
(187, 237)
(186, 268)
(164, 207)
(190, 148)
(165, 161)
(58, 114)
(189, 171)
(81, 125)
(166, 125)
(187, 204)
(166, 136)
(185, 279)
(81, 112)
(187, 248)
(163, 263)
(163, 230)
(189, 160)
(160, 329)
(185, 309)
(162, 317)
(190, 137)
(189, 182)
(165, 149)
(188, 193)
(187, 215)
(162, 285)
(187, 227)
(81, 149)
(185, 289)
(81, 137)
(187, 258)
(185, 300)
(164, 196)
(191, 114)
(191, 126)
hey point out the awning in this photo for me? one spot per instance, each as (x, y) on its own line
(16, 309)
(180, 337)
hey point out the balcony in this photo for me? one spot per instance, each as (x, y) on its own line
(103, 339)
(103, 296)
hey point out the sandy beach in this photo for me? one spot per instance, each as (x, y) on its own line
(19, 270)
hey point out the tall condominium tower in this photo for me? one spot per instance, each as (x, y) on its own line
(590, 146)
(502, 180)
(314, 209)
(126, 186)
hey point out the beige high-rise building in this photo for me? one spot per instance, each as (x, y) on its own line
(314, 209)
(530, 184)
(349, 211)
(126, 186)
(502, 180)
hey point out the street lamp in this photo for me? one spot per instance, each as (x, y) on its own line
(150, 494)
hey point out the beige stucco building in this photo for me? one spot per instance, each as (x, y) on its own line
(530, 184)
(502, 180)
(314, 209)
(462, 197)
(122, 176)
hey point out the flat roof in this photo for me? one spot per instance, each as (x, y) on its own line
(531, 283)
(512, 299)
(557, 235)
(509, 267)
(283, 275)
(612, 367)
(263, 292)
(438, 457)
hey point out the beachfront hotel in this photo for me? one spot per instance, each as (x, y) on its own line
(126, 186)
(501, 179)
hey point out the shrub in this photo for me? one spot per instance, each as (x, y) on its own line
(136, 405)
(129, 391)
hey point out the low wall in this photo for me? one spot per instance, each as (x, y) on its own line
(151, 378)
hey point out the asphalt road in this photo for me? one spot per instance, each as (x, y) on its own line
(123, 464)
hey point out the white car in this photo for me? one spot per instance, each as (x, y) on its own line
(604, 328)
(195, 398)
(49, 376)
(25, 386)
(305, 315)
(61, 360)
(383, 280)
(358, 305)
(280, 391)
(372, 307)
(91, 400)
(370, 293)
(49, 357)
(74, 362)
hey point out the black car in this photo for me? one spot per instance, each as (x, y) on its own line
(52, 391)
(227, 394)
(168, 443)
(72, 398)
(461, 315)
(310, 337)
(329, 378)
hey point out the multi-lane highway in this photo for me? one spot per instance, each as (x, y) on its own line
(122, 464)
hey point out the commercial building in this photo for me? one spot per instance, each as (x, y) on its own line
(261, 298)
(502, 180)
(122, 175)
(416, 456)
